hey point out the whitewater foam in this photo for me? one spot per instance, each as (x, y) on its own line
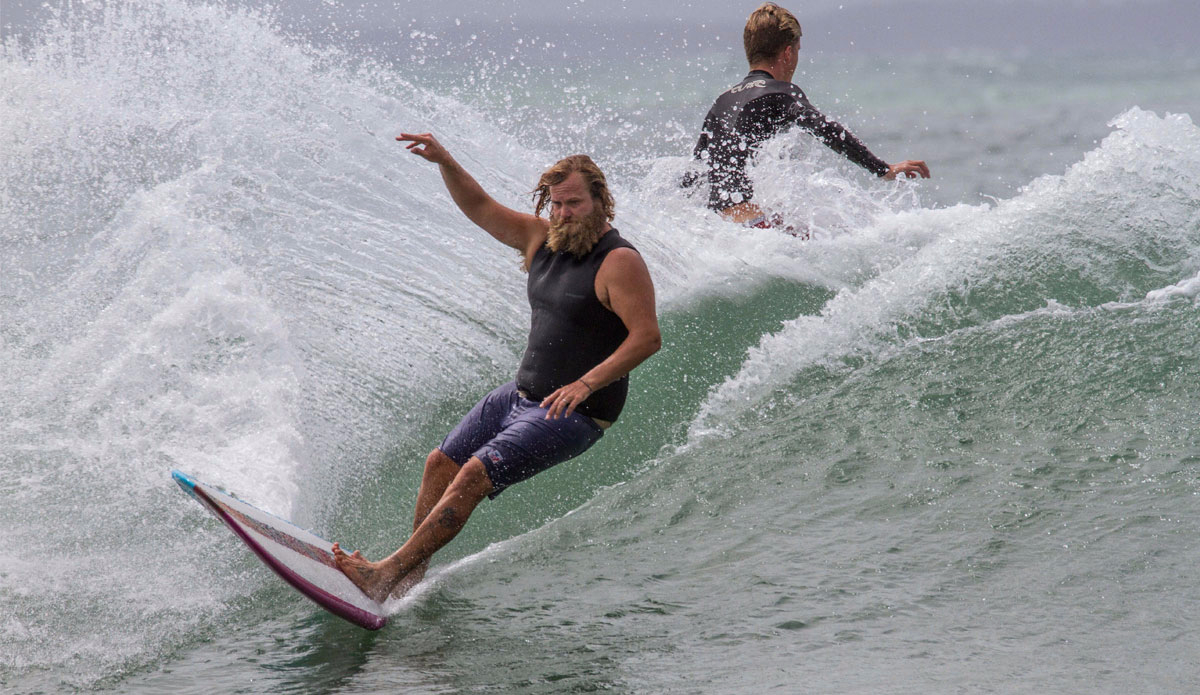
(1106, 221)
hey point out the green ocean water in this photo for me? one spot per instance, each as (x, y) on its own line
(947, 445)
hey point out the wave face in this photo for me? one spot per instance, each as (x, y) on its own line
(935, 444)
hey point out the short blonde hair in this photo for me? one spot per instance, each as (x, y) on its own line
(769, 30)
(593, 178)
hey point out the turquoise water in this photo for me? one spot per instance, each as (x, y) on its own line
(947, 445)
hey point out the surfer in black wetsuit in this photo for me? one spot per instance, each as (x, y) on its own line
(760, 106)
(593, 321)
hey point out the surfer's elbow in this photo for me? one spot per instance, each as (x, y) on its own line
(651, 341)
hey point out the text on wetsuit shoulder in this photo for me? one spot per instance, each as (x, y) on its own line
(748, 85)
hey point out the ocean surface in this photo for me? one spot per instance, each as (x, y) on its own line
(947, 445)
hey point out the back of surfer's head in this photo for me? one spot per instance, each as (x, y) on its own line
(769, 30)
(593, 178)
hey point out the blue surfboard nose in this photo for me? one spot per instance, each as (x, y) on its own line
(184, 481)
(299, 557)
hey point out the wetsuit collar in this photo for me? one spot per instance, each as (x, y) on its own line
(754, 73)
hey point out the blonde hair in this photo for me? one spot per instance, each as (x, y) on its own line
(593, 178)
(769, 30)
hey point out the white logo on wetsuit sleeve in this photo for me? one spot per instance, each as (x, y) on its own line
(748, 85)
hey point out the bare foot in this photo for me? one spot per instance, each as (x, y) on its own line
(372, 577)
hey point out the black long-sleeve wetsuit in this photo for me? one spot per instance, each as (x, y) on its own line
(753, 111)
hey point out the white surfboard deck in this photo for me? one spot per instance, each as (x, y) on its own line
(300, 557)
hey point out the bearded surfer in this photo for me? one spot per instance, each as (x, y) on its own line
(764, 104)
(593, 321)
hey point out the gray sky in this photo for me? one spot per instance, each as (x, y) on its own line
(876, 26)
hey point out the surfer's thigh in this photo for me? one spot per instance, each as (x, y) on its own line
(482, 423)
(530, 444)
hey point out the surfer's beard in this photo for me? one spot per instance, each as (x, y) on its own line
(577, 236)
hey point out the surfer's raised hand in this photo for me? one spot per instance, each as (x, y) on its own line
(909, 167)
(426, 146)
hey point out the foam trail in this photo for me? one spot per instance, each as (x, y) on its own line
(1186, 289)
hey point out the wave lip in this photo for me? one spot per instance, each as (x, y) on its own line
(1119, 223)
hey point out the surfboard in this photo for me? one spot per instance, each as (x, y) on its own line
(303, 559)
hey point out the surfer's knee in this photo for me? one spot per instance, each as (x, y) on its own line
(439, 463)
(473, 479)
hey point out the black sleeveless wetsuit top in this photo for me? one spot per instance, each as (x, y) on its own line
(753, 111)
(571, 331)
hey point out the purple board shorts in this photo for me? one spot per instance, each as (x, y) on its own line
(513, 438)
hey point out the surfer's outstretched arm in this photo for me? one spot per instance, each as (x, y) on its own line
(519, 230)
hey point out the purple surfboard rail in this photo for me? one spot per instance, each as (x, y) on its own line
(278, 532)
